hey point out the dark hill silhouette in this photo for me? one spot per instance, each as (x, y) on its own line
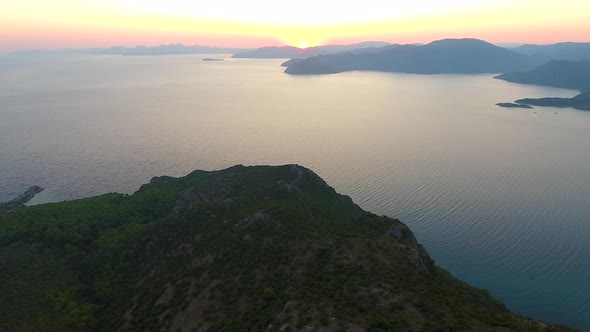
(461, 56)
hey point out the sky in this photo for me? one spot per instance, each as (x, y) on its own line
(57, 24)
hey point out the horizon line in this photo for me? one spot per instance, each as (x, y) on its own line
(132, 46)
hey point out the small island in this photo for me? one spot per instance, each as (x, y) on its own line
(513, 105)
(213, 59)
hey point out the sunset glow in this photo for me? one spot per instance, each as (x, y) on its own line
(92, 23)
(303, 44)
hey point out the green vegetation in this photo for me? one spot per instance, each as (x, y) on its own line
(243, 249)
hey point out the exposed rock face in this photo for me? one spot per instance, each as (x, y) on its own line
(160, 180)
(302, 176)
(419, 256)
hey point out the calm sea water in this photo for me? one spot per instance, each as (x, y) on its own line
(500, 197)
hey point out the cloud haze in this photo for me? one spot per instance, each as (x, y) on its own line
(30, 24)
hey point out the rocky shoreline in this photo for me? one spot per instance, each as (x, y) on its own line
(21, 199)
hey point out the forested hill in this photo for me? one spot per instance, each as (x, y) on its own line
(242, 249)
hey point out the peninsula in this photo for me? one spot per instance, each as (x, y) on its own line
(561, 74)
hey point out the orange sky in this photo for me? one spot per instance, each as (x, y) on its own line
(45, 24)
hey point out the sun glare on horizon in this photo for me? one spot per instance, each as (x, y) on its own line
(303, 44)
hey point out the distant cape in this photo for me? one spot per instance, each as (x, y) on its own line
(561, 74)
(139, 50)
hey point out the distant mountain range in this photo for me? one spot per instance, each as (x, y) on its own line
(140, 50)
(284, 52)
(560, 51)
(461, 56)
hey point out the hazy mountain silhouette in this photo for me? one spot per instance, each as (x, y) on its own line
(462, 56)
(559, 51)
(560, 74)
(279, 52)
(139, 50)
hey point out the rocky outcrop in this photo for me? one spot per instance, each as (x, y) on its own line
(418, 255)
(21, 199)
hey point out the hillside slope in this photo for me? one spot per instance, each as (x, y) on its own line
(242, 249)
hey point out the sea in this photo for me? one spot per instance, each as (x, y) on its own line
(499, 197)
